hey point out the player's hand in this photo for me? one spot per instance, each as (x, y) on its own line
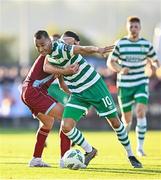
(153, 69)
(104, 51)
(71, 69)
(57, 75)
(124, 70)
(150, 70)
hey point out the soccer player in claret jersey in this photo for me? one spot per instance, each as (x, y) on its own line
(87, 88)
(44, 107)
(129, 59)
(56, 92)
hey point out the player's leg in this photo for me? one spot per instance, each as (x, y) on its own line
(123, 138)
(45, 109)
(73, 111)
(126, 101)
(76, 136)
(62, 97)
(39, 102)
(57, 93)
(141, 127)
(64, 140)
(127, 120)
(47, 121)
(122, 135)
(40, 125)
(141, 98)
(106, 108)
(42, 134)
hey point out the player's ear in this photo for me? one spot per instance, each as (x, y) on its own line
(76, 42)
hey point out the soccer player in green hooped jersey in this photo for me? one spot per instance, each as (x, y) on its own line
(129, 59)
(87, 88)
(54, 90)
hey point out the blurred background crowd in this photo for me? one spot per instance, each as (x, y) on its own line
(98, 22)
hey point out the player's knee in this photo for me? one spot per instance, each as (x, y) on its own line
(59, 116)
(115, 122)
(49, 125)
(66, 128)
(126, 117)
(67, 125)
(140, 110)
(140, 113)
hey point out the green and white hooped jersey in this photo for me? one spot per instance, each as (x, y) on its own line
(133, 55)
(62, 56)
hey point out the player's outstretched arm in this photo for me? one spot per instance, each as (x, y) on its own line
(86, 50)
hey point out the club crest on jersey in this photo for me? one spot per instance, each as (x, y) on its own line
(67, 47)
(143, 49)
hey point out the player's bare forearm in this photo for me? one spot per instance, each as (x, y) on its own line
(86, 50)
(48, 68)
(63, 85)
(51, 69)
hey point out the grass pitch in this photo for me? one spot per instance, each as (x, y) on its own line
(16, 148)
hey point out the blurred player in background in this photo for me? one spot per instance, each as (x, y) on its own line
(87, 89)
(129, 59)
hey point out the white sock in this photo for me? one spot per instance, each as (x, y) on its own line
(141, 128)
(86, 146)
(123, 138)
(128, 127)
(76, 136)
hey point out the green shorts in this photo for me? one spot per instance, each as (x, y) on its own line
(97, 96)
(57, 93)
(128, 96)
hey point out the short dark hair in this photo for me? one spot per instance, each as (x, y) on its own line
(56, 36)
(41, 33)
(133, 19)
(72, 34)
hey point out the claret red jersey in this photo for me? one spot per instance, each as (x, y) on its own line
(37, 77)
